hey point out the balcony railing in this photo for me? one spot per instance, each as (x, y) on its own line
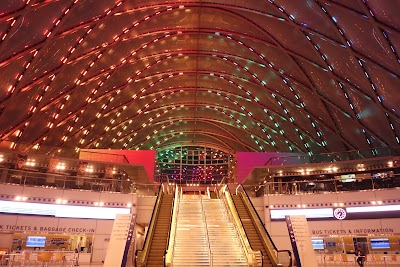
(310, 186)
(335, 156)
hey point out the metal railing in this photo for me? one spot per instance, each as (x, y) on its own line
(334, 185)
(334, 156)
(115, 175)
(74, 182)
(170, 252)
(234, 218)
(278, 257)
(210, 255)
(141, 255)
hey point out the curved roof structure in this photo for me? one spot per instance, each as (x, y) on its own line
(308, 76)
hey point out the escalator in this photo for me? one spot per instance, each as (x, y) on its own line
(156, 241)
(257, 235)
(250, 229)
(161, 232)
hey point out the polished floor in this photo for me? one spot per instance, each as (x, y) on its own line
(66, 265)
(319, 265)
(91, 265)
(367, 264)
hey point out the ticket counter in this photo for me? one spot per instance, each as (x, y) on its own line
(382, 244)
(29, 246)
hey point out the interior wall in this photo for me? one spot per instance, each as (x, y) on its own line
(6, 241)
(145, 207)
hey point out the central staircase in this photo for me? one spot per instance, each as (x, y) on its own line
(224, 241)
(191, 244)
(205, 236)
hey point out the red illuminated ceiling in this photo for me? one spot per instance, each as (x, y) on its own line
(303, 76)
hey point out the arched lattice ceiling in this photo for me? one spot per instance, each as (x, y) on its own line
(304, 76)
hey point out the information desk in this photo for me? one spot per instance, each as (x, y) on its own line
(372, 259)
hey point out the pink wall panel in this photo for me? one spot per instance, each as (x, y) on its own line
(247, 161)
(137, 157)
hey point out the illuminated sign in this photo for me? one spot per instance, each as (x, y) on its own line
(61, 211)
(339, 213)
(373, 208)
(309, 213)
(36, 241)
(386, 211)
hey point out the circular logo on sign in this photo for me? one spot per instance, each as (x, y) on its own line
(339, 213)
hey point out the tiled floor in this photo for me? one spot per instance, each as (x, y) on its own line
(338, 264)
(91, 265)
(367, 264)
(320, 265)
(350, 264)
(37, 265)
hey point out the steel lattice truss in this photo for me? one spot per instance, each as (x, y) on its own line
(304, 76)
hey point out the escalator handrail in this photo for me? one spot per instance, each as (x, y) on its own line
(141, 255)
(169, 251)
(262, 226)
(239, 225)
(210, 255)
(258, 216)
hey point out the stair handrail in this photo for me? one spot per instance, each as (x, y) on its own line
(234, 216)
(141, 255)
(169, 255)
(205, 223)
(268, 242)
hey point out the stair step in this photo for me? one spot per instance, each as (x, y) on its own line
(207, 226)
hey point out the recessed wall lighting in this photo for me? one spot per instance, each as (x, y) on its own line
(61, 201)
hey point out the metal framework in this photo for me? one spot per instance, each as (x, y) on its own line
(304, 76)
